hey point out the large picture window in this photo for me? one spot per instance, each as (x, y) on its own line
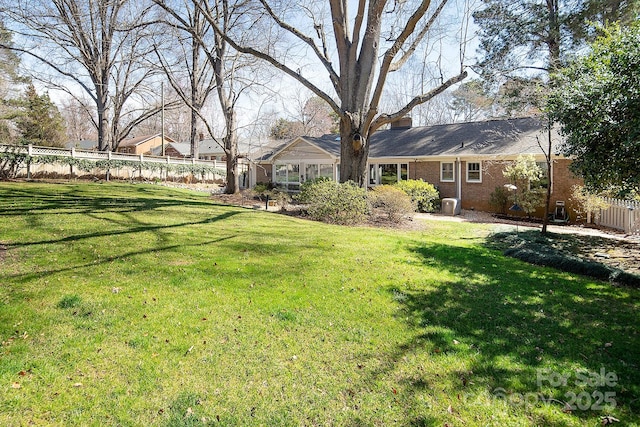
(287, 176)
(474, 172)
(446, 172)
(315, 171)
(388, 173)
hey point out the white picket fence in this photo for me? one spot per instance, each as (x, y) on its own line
(621, 215)
(123, 173)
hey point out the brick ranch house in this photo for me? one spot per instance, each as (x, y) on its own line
(464, 160)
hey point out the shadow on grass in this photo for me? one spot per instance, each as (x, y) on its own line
(28, 199)
(138, 229)
(26, 277)
(513, 322)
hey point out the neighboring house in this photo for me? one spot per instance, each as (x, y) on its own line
(209, 149)
(84, 144)
(142, 144)
(173, 149)
(464, 160)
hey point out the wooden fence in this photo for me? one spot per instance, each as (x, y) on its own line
(621, 215)
(72, 162)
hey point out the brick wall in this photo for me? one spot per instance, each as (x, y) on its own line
(430, 172)
(563, 181)
(477, 195)
(263, 173)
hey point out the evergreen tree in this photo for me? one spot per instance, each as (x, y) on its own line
(522, 42)
(597, 104)
(9, 78)
(40, 123)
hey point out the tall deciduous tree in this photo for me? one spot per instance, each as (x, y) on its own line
(77, 115)
(470, 102)
(597, 104)
(225, 63)
(182, 56)
(91, 46)
(356, 55)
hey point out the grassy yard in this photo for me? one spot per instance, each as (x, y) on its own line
(140, 305)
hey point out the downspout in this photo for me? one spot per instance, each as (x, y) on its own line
(459, 180)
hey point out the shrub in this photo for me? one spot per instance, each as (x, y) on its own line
(499, 199)
(532, 199)
(535, 248)
(394, 202)
(281, 197)
(423, 194)
(589, 205)
(336, 203)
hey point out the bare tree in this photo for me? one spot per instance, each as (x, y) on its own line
(77, 115)
(181, 55)
(470, 102)
(362, 70)
(90, 47)
(228, 68)
(306, 115)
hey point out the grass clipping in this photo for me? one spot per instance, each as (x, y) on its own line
(536, 248)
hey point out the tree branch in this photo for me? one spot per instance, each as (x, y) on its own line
(420, 99)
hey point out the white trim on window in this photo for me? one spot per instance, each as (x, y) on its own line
(474, 172)
(450, 173)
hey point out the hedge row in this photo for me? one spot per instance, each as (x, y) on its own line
(106, 164)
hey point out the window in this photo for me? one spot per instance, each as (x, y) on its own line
(404, 171)
(544, 179)
(315, 171)
(311, 172)
(388, 173)
(287, 176)
(326, 171)
(474, 172)
(446, 172)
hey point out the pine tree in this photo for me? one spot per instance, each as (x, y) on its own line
(40, 123)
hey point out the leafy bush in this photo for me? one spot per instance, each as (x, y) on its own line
(526, 175)
(423, 194)
(11, 160)
(336, 203)
(394, 202)
(263, 189)
(499, 199)
(281, 197)
(532, 199)
(589, 205)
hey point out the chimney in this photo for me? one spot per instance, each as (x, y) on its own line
(403, 123)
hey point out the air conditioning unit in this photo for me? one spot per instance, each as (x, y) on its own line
(451, 206)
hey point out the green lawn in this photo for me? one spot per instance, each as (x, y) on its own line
(141, 305)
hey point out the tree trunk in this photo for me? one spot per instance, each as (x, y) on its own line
(354, 152)
(547, 155)
(231, 151)
(103, 126)
(195, 101)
